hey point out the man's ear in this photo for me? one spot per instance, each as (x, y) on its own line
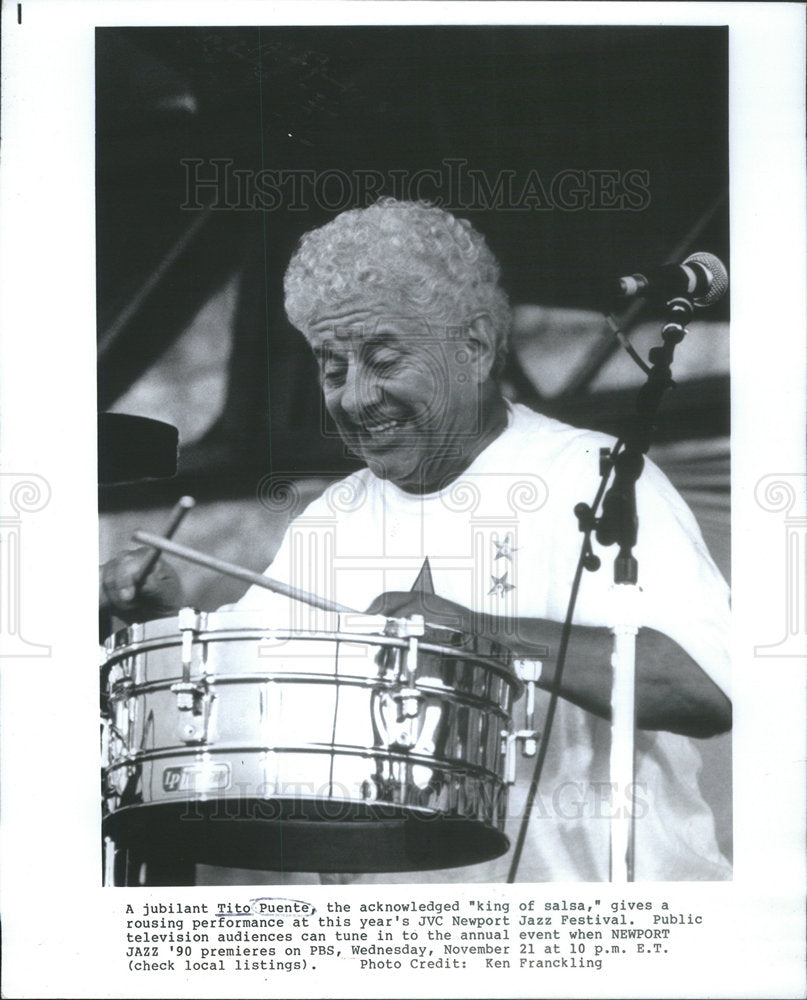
(482, 341)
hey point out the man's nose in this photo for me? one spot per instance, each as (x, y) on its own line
(361, 390)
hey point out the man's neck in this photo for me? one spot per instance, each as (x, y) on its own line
(446, 469)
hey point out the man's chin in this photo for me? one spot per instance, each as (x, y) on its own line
(381, 467)
(404, 476)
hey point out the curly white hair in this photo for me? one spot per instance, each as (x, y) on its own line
(412, 256)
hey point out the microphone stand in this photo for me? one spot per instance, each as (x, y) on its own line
(619, 524)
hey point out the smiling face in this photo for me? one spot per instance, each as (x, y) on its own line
(413, 400)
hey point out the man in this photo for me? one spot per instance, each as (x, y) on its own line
(402, 307)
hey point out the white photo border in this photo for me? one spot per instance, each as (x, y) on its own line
(62, 931)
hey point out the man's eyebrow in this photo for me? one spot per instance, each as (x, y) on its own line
(330, 349)
(332, 346)
(382, 338)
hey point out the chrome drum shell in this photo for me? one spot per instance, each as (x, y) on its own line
(346, 750)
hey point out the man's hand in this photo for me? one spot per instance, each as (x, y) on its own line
(435, 610)
(159, 596)
(672, 692)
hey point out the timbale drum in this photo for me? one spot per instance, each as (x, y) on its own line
(378, 746)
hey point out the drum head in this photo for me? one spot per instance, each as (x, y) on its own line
(290, 835)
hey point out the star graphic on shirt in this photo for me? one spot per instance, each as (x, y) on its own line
(505, 549)
(500, 585)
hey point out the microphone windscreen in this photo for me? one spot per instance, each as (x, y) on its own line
(719, 283)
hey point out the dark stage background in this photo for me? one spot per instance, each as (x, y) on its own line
(191, 328)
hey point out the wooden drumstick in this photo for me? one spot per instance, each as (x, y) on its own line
(183, 505)
(230, 569)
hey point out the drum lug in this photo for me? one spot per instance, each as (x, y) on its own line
(406, 628)
(408, 700)
(120, 724)
(189, 621)
(406, 696)
(192, 697)
(530, 672)
(529, 746)
(193, 702)
(189, 696)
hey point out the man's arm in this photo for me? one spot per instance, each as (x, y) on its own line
(682, 604)
(672, 692)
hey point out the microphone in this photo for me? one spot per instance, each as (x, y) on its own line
(702, 277)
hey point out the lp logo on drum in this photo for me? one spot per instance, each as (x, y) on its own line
(195, 778)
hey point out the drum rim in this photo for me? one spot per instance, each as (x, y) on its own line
(223, 751)
(165, 632)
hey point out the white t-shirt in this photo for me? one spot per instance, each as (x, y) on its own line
(503, 539)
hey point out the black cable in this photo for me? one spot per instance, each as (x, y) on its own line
(582, 563)
(626, 344)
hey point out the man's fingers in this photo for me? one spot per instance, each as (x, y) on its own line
(120, 577)
(392, 603)
(121, 593)
(437, 610)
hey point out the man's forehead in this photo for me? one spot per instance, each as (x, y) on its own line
(362, 324)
